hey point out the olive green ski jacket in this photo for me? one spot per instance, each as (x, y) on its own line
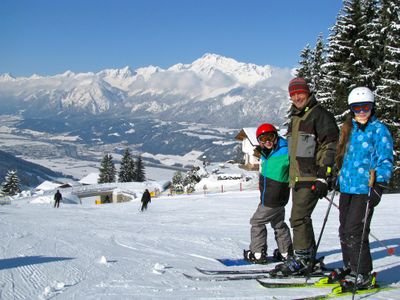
(312, 137)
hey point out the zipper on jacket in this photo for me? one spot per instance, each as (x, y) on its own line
(265, 177)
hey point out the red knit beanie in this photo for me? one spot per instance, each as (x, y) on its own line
(298, 85)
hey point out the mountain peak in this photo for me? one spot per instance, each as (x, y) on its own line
(246, 73)
(6, 77)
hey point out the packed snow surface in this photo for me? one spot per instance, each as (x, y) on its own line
(112, 251)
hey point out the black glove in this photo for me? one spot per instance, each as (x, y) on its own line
(320, 188)
(333, 183)
(375, 195)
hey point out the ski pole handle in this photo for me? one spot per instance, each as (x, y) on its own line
(372, 175)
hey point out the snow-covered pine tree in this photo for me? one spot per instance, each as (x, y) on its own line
(190, 180)
(107, 170)
(318, 60)
(127, 172)
(343, 69)
(306, 60)
(177, 182)
(140, 174)
(388, 89)
(11, 184)
(371, 45)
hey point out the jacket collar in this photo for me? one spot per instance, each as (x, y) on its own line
(311, 102)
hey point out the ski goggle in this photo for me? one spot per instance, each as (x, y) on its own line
(266, 137)
(361, 107)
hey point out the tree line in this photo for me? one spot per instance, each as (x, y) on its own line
(130, 169)
(362, 49)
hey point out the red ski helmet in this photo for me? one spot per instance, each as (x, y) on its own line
(266, 127)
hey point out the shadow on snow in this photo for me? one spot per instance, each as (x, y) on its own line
(14, 262)
(391, 272)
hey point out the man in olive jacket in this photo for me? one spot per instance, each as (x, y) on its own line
(312, 137)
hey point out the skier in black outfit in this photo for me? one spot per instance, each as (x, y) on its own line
(146, 198)
(57, 198)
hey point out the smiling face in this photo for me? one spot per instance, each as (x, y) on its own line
(362, 111)
(362, 117)
(299, 99)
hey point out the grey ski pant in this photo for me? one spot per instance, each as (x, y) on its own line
(276, 216)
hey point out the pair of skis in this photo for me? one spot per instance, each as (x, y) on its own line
(260, 275)
(244, 274)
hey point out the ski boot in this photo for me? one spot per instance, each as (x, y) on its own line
(362, 282)
(334, 277)
(293, 265)
(282, 256)
(256, 258)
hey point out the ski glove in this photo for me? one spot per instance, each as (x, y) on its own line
(320, 188)
(375, 195)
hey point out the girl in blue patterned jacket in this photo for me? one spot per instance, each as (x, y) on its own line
(365, 147)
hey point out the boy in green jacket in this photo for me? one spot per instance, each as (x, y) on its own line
(274, 195)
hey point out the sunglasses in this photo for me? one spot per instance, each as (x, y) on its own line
(266, 137)
(358, 108)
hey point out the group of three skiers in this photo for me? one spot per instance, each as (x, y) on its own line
(316, 158)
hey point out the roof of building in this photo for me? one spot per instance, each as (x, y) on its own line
(249, 133)
(91, 178)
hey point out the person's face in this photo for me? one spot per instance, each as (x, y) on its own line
(267, 140)
(362, 112)
(299, 100)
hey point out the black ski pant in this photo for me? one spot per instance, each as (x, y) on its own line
(57, 203)
(352, 209)
(144, 205)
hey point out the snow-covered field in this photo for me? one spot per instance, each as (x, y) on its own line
(113, 251)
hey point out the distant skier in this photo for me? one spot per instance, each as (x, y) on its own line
(146, 198)
(274, 195)
(205, 189)
(57, 199)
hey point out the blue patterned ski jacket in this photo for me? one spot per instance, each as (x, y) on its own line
(368, 149)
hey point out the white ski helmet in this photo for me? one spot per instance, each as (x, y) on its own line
(361, 95)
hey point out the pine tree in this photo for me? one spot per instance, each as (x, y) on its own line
(127, 172)
(177, 182)
(371, 45)
(11, 184)
(107, 170)
(139, 170)
(317, 61)
(344, 67)
(190, 180)
(388, 89)
(305, 69)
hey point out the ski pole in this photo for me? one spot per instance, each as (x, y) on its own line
(361, 247)
(314, 254)
(370, 184)
(389, 250)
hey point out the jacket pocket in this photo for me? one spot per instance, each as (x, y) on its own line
(306, 145)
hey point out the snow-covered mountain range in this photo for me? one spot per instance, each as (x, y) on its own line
(212, 90)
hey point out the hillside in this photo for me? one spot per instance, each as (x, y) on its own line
(30, 174)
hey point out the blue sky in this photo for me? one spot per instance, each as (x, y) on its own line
(47, 37)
